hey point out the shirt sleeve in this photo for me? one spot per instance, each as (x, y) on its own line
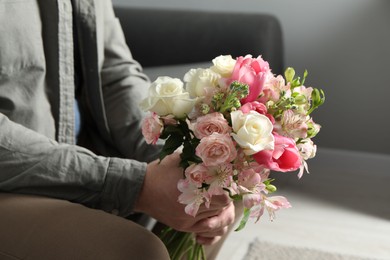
(124, 85)
(34, 164)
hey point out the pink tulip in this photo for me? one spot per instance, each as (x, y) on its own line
(251, 71)
(284, 157)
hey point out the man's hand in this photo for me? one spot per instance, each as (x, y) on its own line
(159, 199)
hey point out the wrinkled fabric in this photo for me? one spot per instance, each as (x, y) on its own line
(38, 151)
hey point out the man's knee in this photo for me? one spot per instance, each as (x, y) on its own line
(44, 228)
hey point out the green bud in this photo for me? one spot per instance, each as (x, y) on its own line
(300, 99)
(244, 91)
(312, 129)
(317, 98)
(218, 96)
(305, 73)
(289, 74)
(271, 188)
(237, 103)
(205, 109)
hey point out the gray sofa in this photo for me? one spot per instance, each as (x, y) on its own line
(172, 37)
(343, 205)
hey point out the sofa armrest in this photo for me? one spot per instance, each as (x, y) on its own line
(159, 37)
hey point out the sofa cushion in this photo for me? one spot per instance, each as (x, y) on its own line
(159, 37)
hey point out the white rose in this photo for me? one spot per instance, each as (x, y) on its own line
(198, 81)
(252, 131)
(167, 96)
(224, 65)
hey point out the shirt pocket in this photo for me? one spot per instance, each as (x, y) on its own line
(21, 44)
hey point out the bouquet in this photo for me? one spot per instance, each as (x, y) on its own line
(235, 122)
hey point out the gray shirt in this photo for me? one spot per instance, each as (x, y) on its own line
(38, 154)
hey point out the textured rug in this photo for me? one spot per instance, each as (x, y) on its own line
(265, 250)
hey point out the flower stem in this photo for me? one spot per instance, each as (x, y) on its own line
(182, 245)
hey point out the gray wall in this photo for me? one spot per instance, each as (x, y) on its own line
(345, 47)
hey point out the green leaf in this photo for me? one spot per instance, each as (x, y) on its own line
(173, 142)
(244, 219)
(169, 130)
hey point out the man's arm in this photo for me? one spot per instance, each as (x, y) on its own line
(31, 163)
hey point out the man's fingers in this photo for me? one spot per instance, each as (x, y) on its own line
(216, 222)
(219, 232)
(218, 202)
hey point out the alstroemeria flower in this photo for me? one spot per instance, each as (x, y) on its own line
(292, 125)
(302, 96)
(192, 196)
(275, 203)
(219, 178)
(273, 87)
(271, 204)
(250, 185)
(307, 149)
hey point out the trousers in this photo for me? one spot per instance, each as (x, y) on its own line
(41, 228)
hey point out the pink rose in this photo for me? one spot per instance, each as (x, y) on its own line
(152, 128)
(211, 123)
(216, 149)
(284, 157)
(196, 173)
(251, 71)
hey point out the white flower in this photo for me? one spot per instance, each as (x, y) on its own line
(307, 149)
(302, 96)
(223, 65)
(199, 81)
(167, 96)
(252, 131)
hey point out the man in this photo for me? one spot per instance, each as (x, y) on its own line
(60, 61)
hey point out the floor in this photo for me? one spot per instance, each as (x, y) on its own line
(316, 224)
(342, 206)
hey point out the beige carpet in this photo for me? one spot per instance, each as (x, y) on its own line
(264, 250)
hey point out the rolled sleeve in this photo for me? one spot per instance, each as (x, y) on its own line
(122, 186)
